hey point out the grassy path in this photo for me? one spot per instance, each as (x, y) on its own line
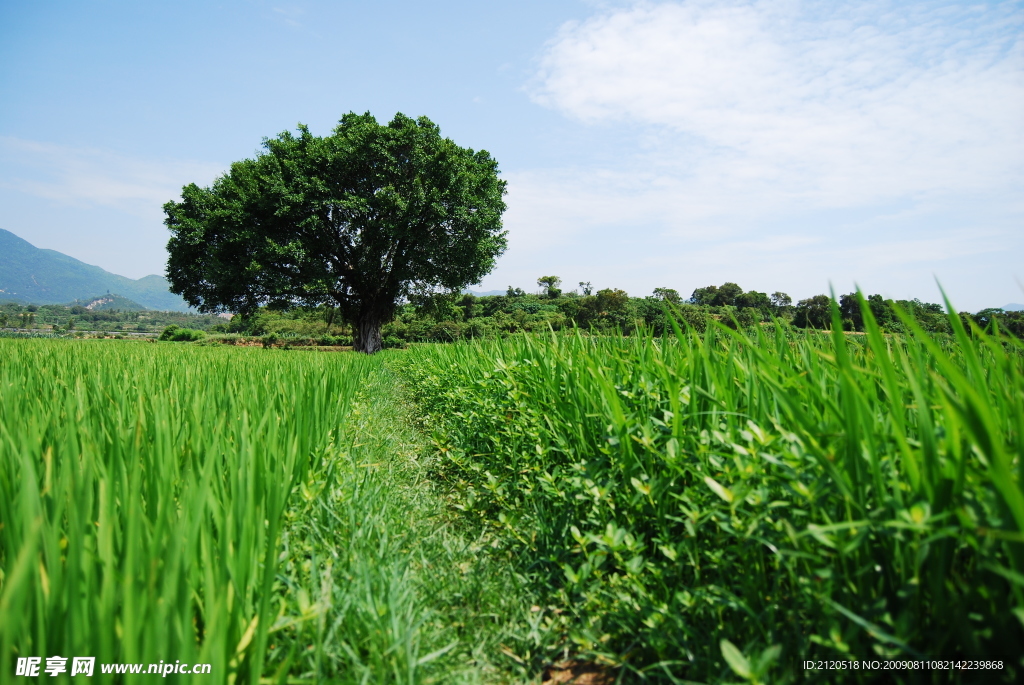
(379, 585)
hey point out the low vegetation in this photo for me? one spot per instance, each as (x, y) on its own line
(679, 501)
(698, 501)
(446, 317)
(174, 334)
(76, 317)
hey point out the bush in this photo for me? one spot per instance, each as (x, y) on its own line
(335, 340)
(168, 332)
(744, 317)
(694, 316)
(446, 331)
(174, 334)
(391, 342)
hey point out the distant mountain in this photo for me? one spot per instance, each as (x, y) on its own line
(31, 275)
(1013, 307)
(486, 293)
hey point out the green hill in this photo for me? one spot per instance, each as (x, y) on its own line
(106, 302)
(32, 275)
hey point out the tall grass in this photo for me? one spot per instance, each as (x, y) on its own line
(258, 510)
(142, 493)
(730, 504)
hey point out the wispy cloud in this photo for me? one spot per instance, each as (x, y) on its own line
(877, 101)
(290, 15)
(788, 142)
(87, 176)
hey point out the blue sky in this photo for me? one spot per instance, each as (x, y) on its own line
(783, 145)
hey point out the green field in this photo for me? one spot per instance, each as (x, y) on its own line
(714, 507)
(260, 511)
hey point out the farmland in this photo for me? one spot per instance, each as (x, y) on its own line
(250, 509)
(694, 506)
(732, 504)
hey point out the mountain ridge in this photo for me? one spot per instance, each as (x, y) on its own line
(30, 274)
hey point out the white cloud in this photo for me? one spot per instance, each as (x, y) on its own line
(876, 101)
(782, 144)
(554, 207)
(91, 177)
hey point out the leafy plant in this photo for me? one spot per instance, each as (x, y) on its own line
(175, 334)
(839, 497)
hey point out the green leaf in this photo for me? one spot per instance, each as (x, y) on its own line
(737, 662)
(436, 654)
(718, 489)
(641, 487)
(768, 657)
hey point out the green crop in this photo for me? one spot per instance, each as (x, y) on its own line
(702, 506)
(707, 506)
(257, 510)
(142, 493)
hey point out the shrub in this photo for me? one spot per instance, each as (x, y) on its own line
(168, 332)
(695, 317)
(335, 340)
(175, 334)
(446, 331)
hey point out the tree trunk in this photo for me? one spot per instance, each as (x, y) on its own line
(367, 332)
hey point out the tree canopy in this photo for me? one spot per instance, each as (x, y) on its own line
(358, 219)
(550, 286)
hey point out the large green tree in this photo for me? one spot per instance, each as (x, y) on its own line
(357, 219)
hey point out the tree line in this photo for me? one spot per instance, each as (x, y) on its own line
(447, 317)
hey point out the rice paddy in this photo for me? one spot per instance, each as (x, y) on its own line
(696, 507)
(253, 510)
